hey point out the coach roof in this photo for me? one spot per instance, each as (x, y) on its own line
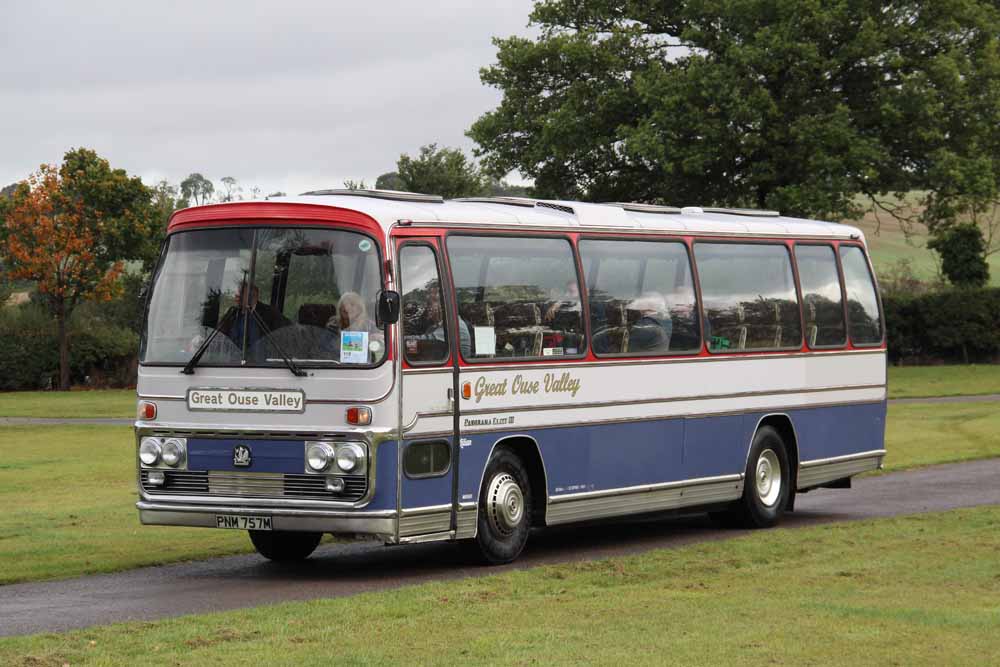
(389, 208)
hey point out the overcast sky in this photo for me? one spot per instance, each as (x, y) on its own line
(286, 95)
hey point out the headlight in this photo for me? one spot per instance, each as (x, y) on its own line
(173, 452)
(350, 457)
(319, 455)
(150, 451)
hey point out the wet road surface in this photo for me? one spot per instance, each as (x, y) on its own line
(347, 569)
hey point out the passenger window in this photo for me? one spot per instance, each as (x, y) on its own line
(517, 297)
(748, 292)
(425, 337)
(642, 299)
(822, 303)
(862, 303)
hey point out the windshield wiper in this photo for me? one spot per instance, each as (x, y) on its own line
(298, 372)
(200, 352)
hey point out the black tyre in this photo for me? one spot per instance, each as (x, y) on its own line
(505, 506)
(766, 486)
(284, 546)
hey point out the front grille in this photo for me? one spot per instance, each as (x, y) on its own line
(254, 485)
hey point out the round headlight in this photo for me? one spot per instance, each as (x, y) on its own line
(150, 451)
(173, 452)
(349, 456)
(318, 456)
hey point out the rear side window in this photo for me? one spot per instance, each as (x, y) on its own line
(822, 303)
(517, 297)
(425, 337)
(862, 303)
(642, 299)
(748, 292)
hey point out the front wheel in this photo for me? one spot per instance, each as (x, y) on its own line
(505, 506)
(284, 546)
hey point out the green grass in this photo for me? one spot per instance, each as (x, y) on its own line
(82, 403)
(926, 434)
(916, 590)
(918, 381)
(69, 495)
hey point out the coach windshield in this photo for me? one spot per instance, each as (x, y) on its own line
(264, 295)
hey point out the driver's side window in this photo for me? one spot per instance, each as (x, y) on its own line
(425, 335)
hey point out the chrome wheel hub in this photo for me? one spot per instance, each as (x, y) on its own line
(768, 477)
(504, 504)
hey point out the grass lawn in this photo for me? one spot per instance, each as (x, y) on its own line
(916, 590)
(924, 434)
(69, 498)
(84, 403)
(918, 381)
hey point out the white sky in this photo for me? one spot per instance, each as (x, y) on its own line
(288, 96)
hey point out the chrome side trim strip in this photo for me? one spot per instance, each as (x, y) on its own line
(424, 523)
(819, 471)
(468, 522)
(643, 488)
(428, 537)
(643, 499)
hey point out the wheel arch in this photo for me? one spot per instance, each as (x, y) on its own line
(527, 449)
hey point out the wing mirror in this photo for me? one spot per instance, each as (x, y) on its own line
(387, 311)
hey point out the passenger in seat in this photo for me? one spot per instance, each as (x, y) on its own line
(651, 332)
(568, 300)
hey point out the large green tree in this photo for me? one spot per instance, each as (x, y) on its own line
(441, 171)
(807, 106)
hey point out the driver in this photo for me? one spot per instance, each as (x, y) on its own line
(271, 317)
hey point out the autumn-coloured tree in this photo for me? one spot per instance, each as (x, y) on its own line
(70, 230)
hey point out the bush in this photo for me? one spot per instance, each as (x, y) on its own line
(100, 350)
(947, 325)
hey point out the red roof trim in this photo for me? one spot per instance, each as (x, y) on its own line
(274, 213)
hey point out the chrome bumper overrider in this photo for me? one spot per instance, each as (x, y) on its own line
(381, 524)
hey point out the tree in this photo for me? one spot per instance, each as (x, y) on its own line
(800, 105)
(196, 188)
(390, 181)
(963, 254)
(71, 230)
(445, 171)
(355, 185)
(231, 189)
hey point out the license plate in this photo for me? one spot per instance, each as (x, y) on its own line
(240, 522)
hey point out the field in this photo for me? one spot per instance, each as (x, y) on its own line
(74, 490)
(913, 590)
(888, 245)
(98, 403)
(917, 381)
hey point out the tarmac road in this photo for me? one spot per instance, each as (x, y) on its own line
(346, 569)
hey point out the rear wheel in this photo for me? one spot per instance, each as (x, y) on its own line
(284, 546)
(766, 486)
(505, 506)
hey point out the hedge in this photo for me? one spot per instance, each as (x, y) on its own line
(29, 351)
(953, 325)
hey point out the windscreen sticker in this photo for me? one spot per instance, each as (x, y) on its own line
(354, 347)
(364, 245)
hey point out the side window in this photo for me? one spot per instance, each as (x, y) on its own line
(642, 299)
(748, 292)
(862, 303)
(516, 297)
(822, 303)
(425, 337)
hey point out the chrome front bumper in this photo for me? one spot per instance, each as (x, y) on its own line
(381, 524)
